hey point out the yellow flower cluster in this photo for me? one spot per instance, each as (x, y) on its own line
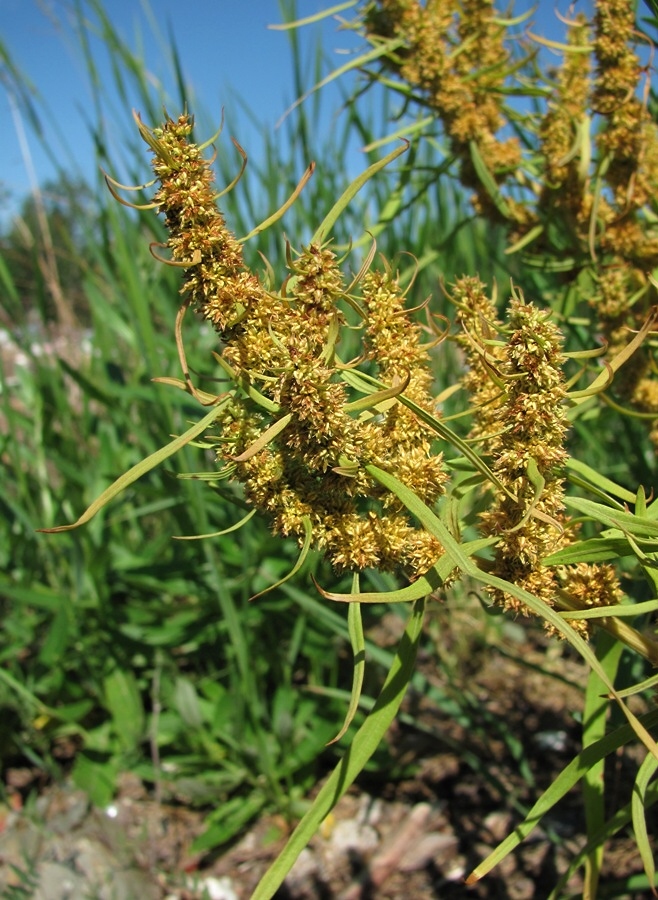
(484, 353)
(628, 138)
(584, 199)
(519, 393)
(454, 52)
(289, 433)
(564, 136)
(216, 280)
(528, 456)
(629, 142)
(589, 586)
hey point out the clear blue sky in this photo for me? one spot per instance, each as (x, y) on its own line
(225, 47)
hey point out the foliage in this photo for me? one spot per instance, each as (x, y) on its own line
(521, 492)
(47, 245)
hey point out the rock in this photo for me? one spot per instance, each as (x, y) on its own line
(58, 882)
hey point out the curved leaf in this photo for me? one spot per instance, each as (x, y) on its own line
(308, 536)
(142, 467)
(638, 811)
(357, 640)
(354, 188)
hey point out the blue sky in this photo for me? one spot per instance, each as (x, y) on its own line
(225, 48)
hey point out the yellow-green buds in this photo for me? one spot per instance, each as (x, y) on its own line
(293, 434)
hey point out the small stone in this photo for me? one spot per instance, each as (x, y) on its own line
(432, 847)
(217, 888)
(58, 882)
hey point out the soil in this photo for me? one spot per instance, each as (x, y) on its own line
(418, 837)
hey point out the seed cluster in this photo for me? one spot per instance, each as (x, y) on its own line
(564, 136)
(518, 388)
(289, 434)
(582, 193)
(454, 52)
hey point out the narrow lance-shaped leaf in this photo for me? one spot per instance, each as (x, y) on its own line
(372, 400)
(625, 522)
(268, 435)
(594, 727)
(569, 777)
(334, 213)
(602, 380)
(356, 62)
(469, 567)
(142, 467)
(316, 17)
(283, 208)
(446, 433)
(488, 181)
(244, 384)
(594, 481)
(236, 527)
(421, 587)
(308, 536)
(357, 640)
(538, 482)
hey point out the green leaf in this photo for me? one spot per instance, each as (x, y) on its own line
(263, 440)
(626, 522)
(142, 467)
(468, 566)
(303, 553)
(186, 701)
(593, 481)
(488, 181)
(356, 62)
(638, 810)
(58, 637)
(624, 610)
(357, 640)
(590, 551)
(421, 587)
(607, 830)
(96, 776)
(334, 213)
(228, 820)
(316, 17)
(374, 399)
(568, 777)
(39, 595)
(609, 651)
(124, 703)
